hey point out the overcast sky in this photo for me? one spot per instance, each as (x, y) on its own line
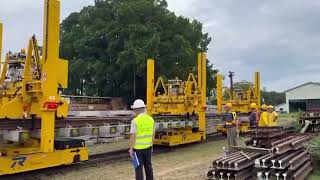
(281, 39)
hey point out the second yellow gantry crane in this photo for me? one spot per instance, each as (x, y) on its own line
(239, 98)
(181, 100)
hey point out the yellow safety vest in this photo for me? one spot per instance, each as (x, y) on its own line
(145, 130)
(264, 119)
(273, 119)
(234, 117)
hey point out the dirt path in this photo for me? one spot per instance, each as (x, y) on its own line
(190, 162)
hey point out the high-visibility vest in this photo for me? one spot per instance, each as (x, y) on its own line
(264, 119)
(273, 119)
(145, 130)
(234, 117)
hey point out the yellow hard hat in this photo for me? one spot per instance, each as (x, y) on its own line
(253, 105)
(264, 107)
(229, 105)
(23, 51)
(270, 107)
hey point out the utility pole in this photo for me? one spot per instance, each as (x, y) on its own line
(231, 74)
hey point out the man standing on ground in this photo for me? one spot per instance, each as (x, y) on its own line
(264, 117)
(141, 139)
(231, 119)
(253, 118)
(273, 116)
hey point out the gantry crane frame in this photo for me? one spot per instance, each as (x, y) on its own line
(38, 98)
(242, 106)
(179, 104)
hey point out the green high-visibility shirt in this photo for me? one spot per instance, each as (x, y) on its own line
(144, 131)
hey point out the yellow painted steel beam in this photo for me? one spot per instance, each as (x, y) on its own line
(257, 88)
(4, 70)
(26, 73)
(190, 81)
(199, 71)
(1, 31)
(219, 93)
(203, 79)
(1, 36)
(150, 85)
(50, 59)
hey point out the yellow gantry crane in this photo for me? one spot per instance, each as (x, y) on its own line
(29, 86)
(179, 99)
(1, 29)
(239, 98)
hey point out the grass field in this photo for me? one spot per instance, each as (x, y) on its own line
(189, 162)
(315, 175)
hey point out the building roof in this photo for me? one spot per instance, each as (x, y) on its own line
(308, 83)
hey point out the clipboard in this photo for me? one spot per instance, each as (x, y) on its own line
(135, 160)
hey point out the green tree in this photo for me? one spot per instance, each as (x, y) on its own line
(108, 45)
(242, 85)
(272, 97)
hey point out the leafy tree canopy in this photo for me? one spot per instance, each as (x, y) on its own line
(272, 97)
(108, 45)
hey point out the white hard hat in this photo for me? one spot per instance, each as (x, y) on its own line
(138, 104)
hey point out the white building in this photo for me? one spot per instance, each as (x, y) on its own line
(305, 97)
(281, 108)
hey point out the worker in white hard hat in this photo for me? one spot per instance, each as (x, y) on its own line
(141, 140)
(273, 116)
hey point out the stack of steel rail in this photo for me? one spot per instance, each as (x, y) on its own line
(237, 165)
(285, 158)
(263, 137)
(289, 160)
(311, 120)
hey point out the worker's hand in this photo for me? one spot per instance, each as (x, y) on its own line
(131, 152)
